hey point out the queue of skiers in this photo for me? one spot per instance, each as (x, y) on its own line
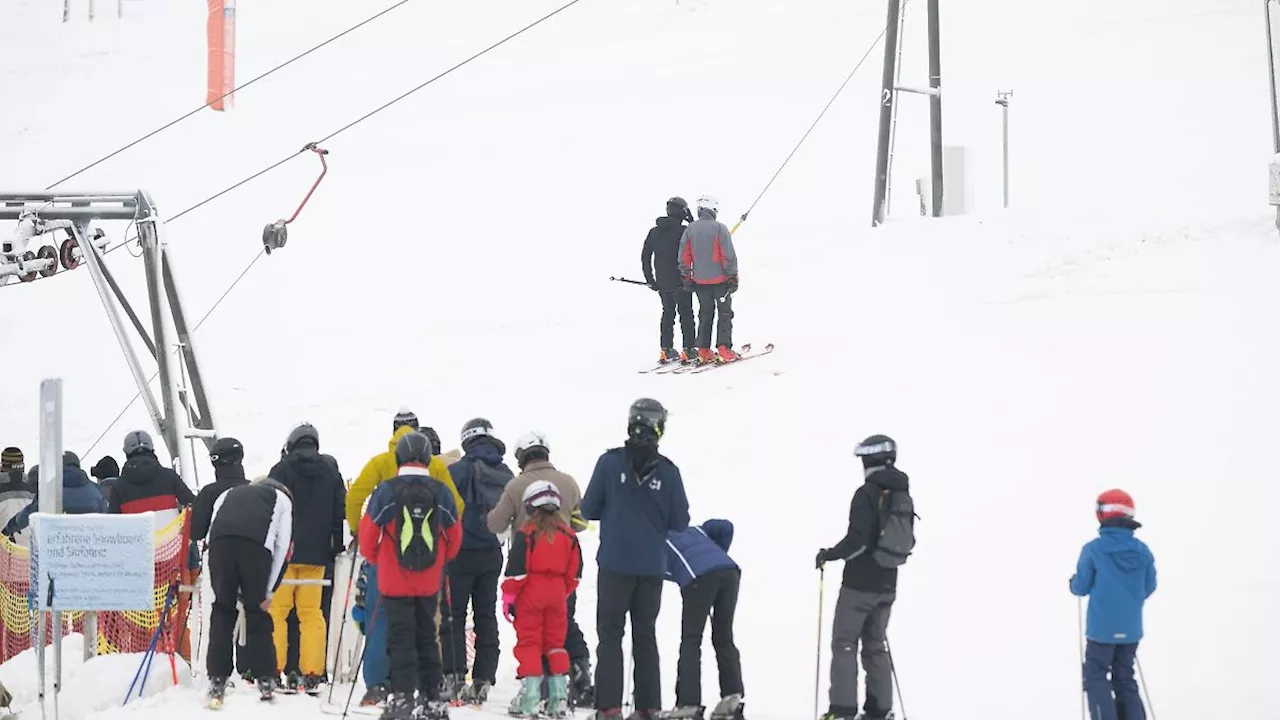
(680, 261)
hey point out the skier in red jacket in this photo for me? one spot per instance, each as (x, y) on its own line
(542, 571)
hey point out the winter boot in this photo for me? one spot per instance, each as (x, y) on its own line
(525, 703)
(729, 708)
(374, 695)
(311, 684)
(432, 709)
(477, 693)
(399, 707)
(558, 696)
(725, 354)
(451, 685)
(217, 688)
(266, 688)
(668, 355)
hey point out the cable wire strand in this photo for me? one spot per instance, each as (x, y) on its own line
(234, 90)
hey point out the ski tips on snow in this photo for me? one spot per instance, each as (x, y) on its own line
(694, 366)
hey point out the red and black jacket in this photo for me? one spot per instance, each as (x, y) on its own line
(146, 485)
(536, 556)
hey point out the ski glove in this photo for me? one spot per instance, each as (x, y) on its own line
(509, 607)
(577, 522)
(687, 283)
(821, 559)
(653, 286)
(732, 282)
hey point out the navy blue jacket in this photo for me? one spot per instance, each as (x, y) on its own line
(79, 496)
(699, 550)
(1118, 573)
(475, 530)
(636, 511)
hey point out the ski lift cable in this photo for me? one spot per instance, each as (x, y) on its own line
(816, 120)
(234, 90)
(308, 149)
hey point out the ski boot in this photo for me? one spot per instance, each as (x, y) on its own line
(689, 356)
(705, 357)
(311, 685)
(289, 684)
(840, 713)
(726, 354)
(686, 712)
(608, 714)
(668, 355)
(558, 696)
(375, 695)
(217, 688)
(266, 688)
(475, 694)
(431, 709)
(865, 716)
(581, 693)
(399, 707)
(646, 714)
(451, 685)
(729, 708)
(525, 703)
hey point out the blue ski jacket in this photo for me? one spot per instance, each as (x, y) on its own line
(79, 496)
(481, 497)
(636, 511)
(699, 550)
(1118, 573)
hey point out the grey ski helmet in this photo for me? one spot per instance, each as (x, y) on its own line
(414, 447)
(877, 451)
(300, 433)
(138, 441)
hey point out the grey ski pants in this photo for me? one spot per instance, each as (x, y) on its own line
(861, 616)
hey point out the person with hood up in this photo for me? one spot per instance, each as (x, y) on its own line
(319, 503)
(146, 485)
(660, 261)
(15, 494)
(709, 267)
(533, 455)
(1117, 572)
(480, 476)
(379, 469)
(410, 531)
(867, 591)
(249, 537)
(79, 496)
(107, 473)
(638, 496)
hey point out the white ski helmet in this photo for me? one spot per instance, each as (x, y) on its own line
(529, 441)
(708, 202)
(541, 494)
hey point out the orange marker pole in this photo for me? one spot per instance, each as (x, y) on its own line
(221, 33)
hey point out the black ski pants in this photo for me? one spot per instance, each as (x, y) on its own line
(714, 596)
(574, 643)
(715, 300)
(473, 579)
(674, 301)
(239, 570)
(326, 602)
(411, 645)
(639, 596)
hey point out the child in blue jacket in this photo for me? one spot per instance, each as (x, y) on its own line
(698, 561)
(1118, 573)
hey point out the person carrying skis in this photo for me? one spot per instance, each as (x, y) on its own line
(635, 516)
(249, 536)
(319, 501)
(481, 477)
(409, 532)
(709, 267)
(879, 539)
(546, 564)
(698, 561)
(661, 253)
(380, 468)
(1117, 572)
(533, 455)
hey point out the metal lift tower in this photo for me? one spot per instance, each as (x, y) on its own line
(55, 214)
(888, 96)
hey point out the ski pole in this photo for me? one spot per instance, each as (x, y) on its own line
(817, 668)
(627, 280)
(893, 671)
(1080, 642)
(364, 648)
(1145, 690)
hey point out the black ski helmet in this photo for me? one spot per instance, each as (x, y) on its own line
(877, 451)
(645, 417)
(414, 447)
(437, 447)
(302, 432)
(476, 428)
(678, 207)
(226, 451)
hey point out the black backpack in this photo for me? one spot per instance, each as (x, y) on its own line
(414, 504)
(897, 529)
(487, 484)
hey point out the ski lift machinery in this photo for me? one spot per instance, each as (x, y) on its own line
(64, 227)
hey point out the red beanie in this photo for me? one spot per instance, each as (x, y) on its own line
(1115, 504)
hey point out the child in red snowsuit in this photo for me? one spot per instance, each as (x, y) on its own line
(542, 571)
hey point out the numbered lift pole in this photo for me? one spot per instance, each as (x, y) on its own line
(51, 503)
(1275, 113)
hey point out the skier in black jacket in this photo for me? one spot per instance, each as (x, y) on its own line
(661, 253)
(867, 592)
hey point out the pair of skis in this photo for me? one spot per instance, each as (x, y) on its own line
(692, 368)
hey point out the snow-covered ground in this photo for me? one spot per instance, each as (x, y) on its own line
(1115, 331)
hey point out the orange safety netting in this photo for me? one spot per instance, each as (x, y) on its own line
(118, 632)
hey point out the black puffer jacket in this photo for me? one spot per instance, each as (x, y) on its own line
(227, 477)
(662, 253)
(861, 571)
(319, 505)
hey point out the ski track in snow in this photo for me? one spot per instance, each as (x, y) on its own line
(1117, 329)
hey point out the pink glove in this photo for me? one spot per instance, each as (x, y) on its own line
(509, 607)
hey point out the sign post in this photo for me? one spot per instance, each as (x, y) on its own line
(50, 489)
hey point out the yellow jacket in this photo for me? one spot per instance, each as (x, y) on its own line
(384, 467)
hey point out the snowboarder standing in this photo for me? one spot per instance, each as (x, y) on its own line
(410, 531)
(698, 561)
(1118, 573)
(546, 564)
(878, 541)
(709, 267)
(249, 536)
(660, 261)
(481, 477)
(635, 516)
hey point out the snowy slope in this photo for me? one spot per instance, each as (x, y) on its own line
(455, 260)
